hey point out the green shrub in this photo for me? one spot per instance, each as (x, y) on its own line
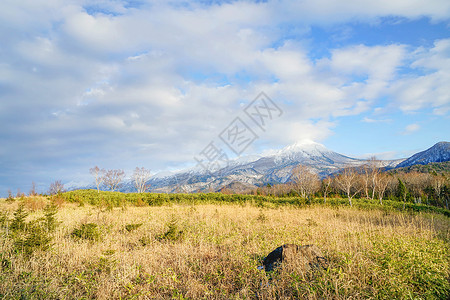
(34, 235)
(36, 238)
(261, 217)
(117, 199)
(145, 240)
(88, 231)
(50, 221)
(4, 219)
(131, 227)
(18, 223)
(173, 232)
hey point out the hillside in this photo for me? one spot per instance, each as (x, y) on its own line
(439, 168)
(260, 170)
(440, 152)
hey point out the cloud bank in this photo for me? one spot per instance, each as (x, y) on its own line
(149, 83)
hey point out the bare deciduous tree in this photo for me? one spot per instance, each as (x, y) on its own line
(141, 176)
(416, 183)
(56, 187)
(326, 183)
(305, 181)
(368, 176)
(438, 184)
(374, 173)
(365, 180)
(347, 182)
(383, 181)
(10, 196)
(19, 194)
(113, 178)
(283, 189)
(33, 189)
(98, 176)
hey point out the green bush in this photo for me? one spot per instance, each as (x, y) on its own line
(50, 222)
(4, 219)
(18, 223)
(173, 233)
(88, 231)
(35, 235)
(131, 227)
(36, 238)
(117, 199)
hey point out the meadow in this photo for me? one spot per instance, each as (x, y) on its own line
(80, 245)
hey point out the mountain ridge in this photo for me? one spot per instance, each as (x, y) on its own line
(439, 152)
(276, 167)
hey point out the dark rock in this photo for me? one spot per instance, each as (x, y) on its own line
(308, 257)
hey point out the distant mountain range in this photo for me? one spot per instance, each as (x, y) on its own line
(248, 172)
(277, 168)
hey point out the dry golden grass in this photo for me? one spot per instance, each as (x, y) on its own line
(372, 254)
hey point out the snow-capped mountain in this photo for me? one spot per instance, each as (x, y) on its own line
(275, 167)
(440, 152)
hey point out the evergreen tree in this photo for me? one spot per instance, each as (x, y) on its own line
(402, 191)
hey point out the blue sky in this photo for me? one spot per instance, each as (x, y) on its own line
(121, 84)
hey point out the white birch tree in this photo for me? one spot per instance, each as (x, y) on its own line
(347, 182)
(99, 176)
(140, 177)
(113, 178)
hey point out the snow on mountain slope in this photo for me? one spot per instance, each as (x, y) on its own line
(312, 153)
(274, 167)
(440, 152)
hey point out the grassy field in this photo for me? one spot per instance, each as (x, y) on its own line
(211, 251)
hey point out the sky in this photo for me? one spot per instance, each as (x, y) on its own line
(125, 84)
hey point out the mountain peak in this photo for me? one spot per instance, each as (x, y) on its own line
(276, 167)
(440, 144)
(303, 146)
(439, 152)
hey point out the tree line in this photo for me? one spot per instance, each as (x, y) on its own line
(112, 179)
(104, 179)
(367, 181)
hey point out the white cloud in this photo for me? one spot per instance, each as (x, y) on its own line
(136, 86)
(388, 155)
(431, 88)
(329, 11)
(377, 62)
(411, 128)
(370, 120)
